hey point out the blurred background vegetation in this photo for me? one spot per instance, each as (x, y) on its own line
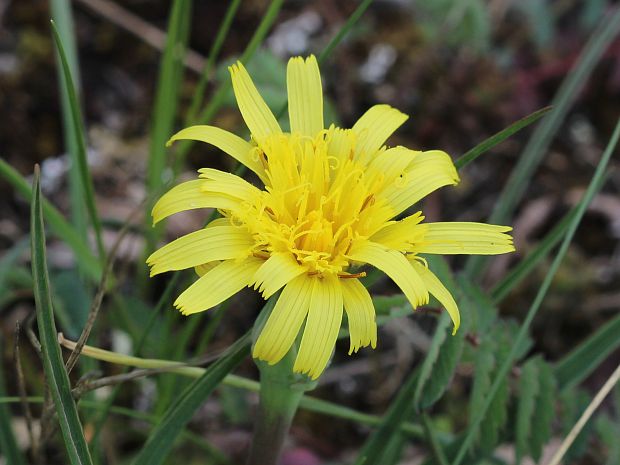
(463, 70)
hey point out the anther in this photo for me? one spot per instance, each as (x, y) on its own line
(352, 275)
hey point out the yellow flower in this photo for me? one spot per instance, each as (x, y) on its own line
(328, 206)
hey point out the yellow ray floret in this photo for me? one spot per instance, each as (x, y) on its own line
(328, 204)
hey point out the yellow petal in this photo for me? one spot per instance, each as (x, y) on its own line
(305, 95)
(275, 272)
(255, 112)
(396, 266)
(427, 172)
(285, 320)
(440, 292)
(391, 164)
(465, 238)
(189, 196)
(360, 313)
(203, 269)
(374, 128)
(233, 145)
(202, 246)
(226, 279)
(400, 234)
(221, 182)
(322, 326)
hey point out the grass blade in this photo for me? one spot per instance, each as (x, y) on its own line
(8, 444)
(209, 65)
(587, 356)
(57, 222)
(542, 291)
(344, 30)
(161, 440)
(400, 409)
(167, 94)
(63, 18)
(55, 373)
(539, 142)
(498, 138)
(77, 124)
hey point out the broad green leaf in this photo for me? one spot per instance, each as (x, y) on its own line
(75, 120)
(57, 222)
(588, 355)
(521, 335)
(55, 373)
(528, 391)
(538, 144)
(161, 440)
(498, 138)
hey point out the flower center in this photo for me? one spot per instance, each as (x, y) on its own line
(317, 200)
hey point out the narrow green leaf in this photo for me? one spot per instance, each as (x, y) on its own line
(445, 350)
(63, 18)
(400, 409)
(162, 438)
(8, 444)
(484, 364)
(544, 412)
(59, 225)
(167, 94)
(545, 132)
(77, 123)
(609, 432)
(533, 258)
(344, 30)
(588, 355)
(493, 350)
(8, 261)
(498, 138)
(55, 373)
(573, 403)
(222, 32)
(542, 291)
(526, 404)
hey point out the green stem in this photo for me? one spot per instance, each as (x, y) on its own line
(277, 407)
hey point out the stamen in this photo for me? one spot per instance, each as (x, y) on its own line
(362, 274)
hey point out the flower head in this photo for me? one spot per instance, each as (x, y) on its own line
(328, 206)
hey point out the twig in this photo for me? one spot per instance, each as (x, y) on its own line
(101, 290)
(87, 386)
(21, 388)
(135, 25)
(585, 416)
